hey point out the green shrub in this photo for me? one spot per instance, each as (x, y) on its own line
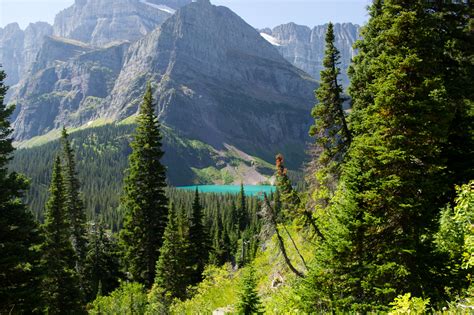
(406, 304)
(129, 298)
(218, 290)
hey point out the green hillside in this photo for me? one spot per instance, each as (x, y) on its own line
(102, 157)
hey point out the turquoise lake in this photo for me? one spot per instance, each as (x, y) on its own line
(231, 189)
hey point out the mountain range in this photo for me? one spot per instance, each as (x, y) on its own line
(241, 93)
(304, 47)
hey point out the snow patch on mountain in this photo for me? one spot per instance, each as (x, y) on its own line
(272, 40)
(161, 7)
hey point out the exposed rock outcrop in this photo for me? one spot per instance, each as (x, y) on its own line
(67, 85)
(100, 22)
(18, 48)
(218, 81)
(304, 47)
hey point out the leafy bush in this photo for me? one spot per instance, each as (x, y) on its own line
(406, 304)
(218, 290)
(455, 237)
(129, 298)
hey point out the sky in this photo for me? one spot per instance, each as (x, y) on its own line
(258, 13)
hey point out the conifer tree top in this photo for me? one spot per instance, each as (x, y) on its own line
(144, 198)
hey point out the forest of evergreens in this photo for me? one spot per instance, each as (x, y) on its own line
(382, 224)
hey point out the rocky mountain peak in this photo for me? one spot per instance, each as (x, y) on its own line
(18, 48)
(11, 27)
(304, 47)
(216, 80)
(100, 22)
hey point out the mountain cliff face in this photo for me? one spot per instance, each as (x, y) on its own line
(18, 48)
(304, 47)
(67, 83)
(100, 22)
(216, 81)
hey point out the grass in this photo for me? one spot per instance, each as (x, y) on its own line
(56, 134)
(220, 289)
(130, 120)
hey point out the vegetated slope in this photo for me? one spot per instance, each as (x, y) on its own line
(102, 157)
(221, 288)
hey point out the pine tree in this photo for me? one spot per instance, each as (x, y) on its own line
(233, 222)
(144, 197)
(288, 196)
(330, 130)
(289, 202)
(19, 234)
(249, 301)
(60, 286)
(74, 205)
(242, 210)
(362, 71)
(171, 268)
(102, 269)
(453, 44)
(216, 255)
(380, 225)
(199, 242)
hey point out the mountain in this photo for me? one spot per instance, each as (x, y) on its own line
(217, 83)
(304, 47)
(18, 48)
(68, 81)
(100, 22)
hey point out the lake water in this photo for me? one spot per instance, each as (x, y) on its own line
(231, 189)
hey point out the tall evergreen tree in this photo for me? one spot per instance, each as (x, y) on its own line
(216, 251)
(453, 42)
(361, 71)
(171, 269)
(220, 251)
(249, 301)
(233, 220)
(198, 240)
(330, 128)
(144, 198)
(288, 196)
(289, 204)
(243, 216)
(380, 226)
(74, 205)
(19, 234)
(60, 285)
